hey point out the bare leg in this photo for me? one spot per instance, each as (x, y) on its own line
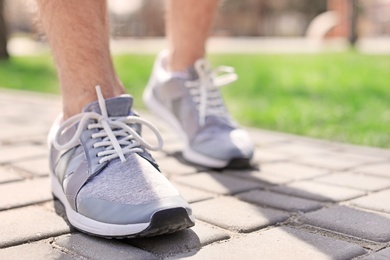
(188, 26)
(78, 34)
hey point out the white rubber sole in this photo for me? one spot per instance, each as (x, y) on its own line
(197, 158)
(189, 154)
(92, 226)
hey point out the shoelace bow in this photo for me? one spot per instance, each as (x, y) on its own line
(111, 128)
(205, 90)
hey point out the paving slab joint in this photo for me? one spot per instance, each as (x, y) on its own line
(25, 205)
(371, 252)
(364, 243)
(357, 207)
(65, 250)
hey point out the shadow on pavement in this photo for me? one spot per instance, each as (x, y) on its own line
(308, 221)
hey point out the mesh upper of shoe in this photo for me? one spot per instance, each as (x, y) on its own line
(133, 182)
(197, 104)
(130, 179)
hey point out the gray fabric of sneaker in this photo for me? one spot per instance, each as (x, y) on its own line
(192, 105)
(105, 177)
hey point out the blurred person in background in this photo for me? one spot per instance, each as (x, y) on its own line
(101, 168)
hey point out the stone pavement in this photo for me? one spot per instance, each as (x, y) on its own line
(307, 199)
(22, 46)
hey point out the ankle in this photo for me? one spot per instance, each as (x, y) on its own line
(181, 61)
(74, 101)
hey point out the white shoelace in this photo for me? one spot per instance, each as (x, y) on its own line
(111, 128)
(205, 90)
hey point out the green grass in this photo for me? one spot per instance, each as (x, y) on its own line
(342, 97)
(29, 73)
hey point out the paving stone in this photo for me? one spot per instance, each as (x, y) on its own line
(356, 181)
(263, 137)
(380, 169)
(280, 243)
(150, 136)
(337, 161)
(162, 126)
(265, 178)
(217, 183)
(383, 254)
(29, 223)
(362, 157)
(39, 139)
(37, 250)
(173, 147)
(292, 170)
(236, 215)
(171, 166)
(16, 194)
(376, 201)
(299, 149)
(27, 153)
(353, 222)
(12, 153)
(31, 101)
(99, 248)
(169, 245)
(279, 201)
(7, 174)
(38, 166)
(363, 150)
(158, 155)
(192, 195)
(267, 155)
(15, 133)
(319, 191)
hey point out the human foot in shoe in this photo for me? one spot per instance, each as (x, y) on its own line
(192, 105)
(105, 177)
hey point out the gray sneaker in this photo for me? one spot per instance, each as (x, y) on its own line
(192, 105)
(109, 184)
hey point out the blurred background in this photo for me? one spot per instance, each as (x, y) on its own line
(348, 19)
(315, 68)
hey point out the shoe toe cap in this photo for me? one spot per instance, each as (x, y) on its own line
(242, 142)
(229, 145)
(123, 214)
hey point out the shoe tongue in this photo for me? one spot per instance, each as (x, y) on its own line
(116, 107)
(218, 120)
(204, 67)
(192, 73)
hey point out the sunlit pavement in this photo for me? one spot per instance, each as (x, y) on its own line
(303, 199)
(21, 46)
